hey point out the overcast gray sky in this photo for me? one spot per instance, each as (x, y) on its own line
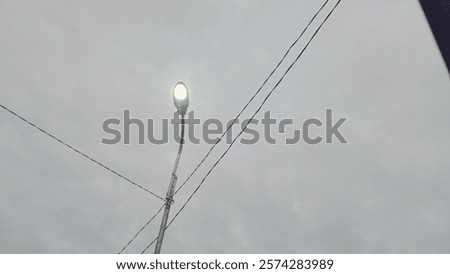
(69, 65)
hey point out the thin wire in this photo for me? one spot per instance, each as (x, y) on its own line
(139, 232)
(81, 153)
(253, 97)
(150, 244)
(256, 112)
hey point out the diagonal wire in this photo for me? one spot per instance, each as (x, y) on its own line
(255, 113)
(139, 232)
(253, 97)
(152, 242)
(81, 153)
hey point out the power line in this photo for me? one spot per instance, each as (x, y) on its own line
(81, 153)
(152, 242)
(255, 113)
(253, 97)
(139, 232)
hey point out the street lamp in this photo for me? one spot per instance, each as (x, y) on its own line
(181, 97)
(181, 101)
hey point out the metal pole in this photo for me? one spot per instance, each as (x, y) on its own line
(170, 191)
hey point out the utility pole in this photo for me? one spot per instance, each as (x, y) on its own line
(181, 100)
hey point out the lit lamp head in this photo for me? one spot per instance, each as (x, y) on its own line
(181, 97)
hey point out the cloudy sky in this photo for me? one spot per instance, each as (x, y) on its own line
(69, 65)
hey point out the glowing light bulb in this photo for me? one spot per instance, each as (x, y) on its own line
(180, 91)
